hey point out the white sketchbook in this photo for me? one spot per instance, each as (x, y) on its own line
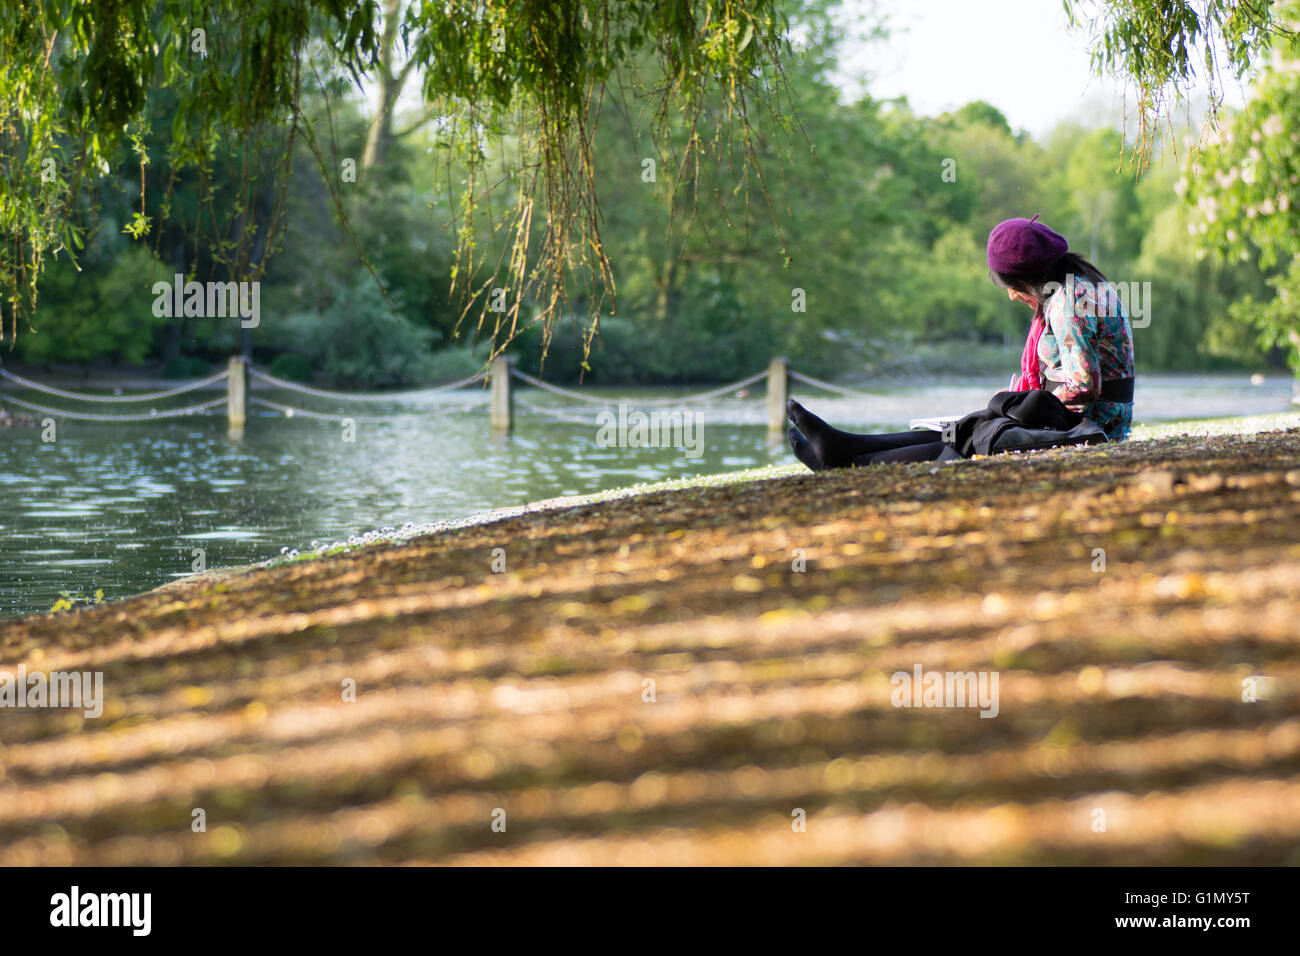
(935, 424)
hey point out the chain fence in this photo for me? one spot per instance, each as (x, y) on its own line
(110, 399)
(655, 402)
(736, 388)
(290, 412)
(556, 413)
(828, 386)
(362, 396)
(151, 415)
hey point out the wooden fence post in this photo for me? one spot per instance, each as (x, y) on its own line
(778, 388)
(502, 396)
(236, 393)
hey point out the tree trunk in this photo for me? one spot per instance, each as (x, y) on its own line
(380, 134)
(665, 297)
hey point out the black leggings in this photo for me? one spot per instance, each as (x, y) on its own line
(919, 444)
(820, 446)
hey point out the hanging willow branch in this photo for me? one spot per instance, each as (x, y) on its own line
(1162, 47)
(76, 82)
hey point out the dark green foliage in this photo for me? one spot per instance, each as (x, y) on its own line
(709, 337)
(103, 311)
(358, 340)
(292, 366)
(186, 366)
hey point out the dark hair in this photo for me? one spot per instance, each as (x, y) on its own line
(1042, 285)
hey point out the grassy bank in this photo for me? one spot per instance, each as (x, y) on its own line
(1121, 594)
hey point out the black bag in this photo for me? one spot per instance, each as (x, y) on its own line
(1021, 421)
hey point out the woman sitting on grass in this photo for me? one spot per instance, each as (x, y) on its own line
(1076, 380)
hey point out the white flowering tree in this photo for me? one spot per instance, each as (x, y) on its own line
(1244, 182)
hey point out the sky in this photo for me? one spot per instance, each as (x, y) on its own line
(1016, 54)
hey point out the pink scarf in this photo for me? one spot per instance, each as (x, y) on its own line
(1030, 377)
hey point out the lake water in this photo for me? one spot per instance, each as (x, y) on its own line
(122, 507)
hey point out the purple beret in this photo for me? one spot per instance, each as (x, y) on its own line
(1024, 247)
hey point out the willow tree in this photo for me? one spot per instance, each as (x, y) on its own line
(76, 77)
(1161, 48)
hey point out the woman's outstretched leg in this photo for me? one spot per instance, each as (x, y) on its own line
(832, 448)
(929, 451)
(803, 451)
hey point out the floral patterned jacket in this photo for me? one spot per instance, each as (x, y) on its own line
(1087, 340)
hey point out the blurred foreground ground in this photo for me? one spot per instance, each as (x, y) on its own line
(1120, 690)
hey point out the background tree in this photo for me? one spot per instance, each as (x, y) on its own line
(1244, 187)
